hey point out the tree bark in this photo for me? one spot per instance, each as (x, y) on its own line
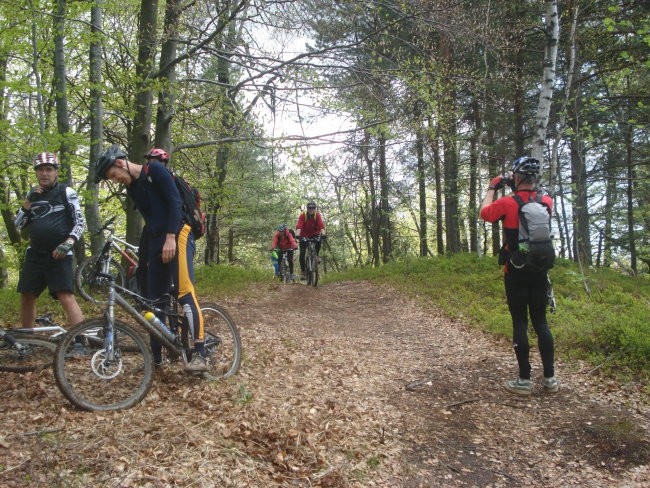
(91, 206)
(166, 97)
(422, 190)
(552, 29)
(141, 136)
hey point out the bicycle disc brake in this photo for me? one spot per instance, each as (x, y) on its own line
(104, 368)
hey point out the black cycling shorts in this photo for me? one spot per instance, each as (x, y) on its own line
(41, 270)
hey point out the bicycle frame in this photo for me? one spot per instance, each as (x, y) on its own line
(129, 252)
(165, 336)
(50, 327)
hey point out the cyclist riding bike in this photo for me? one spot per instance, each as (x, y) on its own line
(310, 224)
(285, 242)
(170, 241)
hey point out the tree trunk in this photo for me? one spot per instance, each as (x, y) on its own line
(60, 90)
(611, 199)
(552, 29)
(473, 178)
(568, 89)
(450, 158)
(629, 164)
(91, 206)
(384, 211)
(141, 136)
(422, 192)
(166, 97)
(437, 170)
(374, 217)
(581, 240)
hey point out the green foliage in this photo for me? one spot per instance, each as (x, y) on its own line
(244, 396)
(226, 280)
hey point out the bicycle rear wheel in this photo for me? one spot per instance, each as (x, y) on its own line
(222, 341)
(31, 354)
(85, 278)
(91, 381)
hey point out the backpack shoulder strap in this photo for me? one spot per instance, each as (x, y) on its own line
(522, 220)
(519, 200)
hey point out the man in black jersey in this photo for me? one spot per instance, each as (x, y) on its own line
(52, 214)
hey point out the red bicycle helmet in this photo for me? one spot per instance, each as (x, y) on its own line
(159, 154)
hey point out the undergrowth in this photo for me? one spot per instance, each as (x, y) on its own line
(603, 318)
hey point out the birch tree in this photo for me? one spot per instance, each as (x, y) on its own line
(552, 31)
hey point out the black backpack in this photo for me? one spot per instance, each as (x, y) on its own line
(534, 250)
(191, 204)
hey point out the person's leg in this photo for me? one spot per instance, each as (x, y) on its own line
(290, 258)
(31, 283)
(27, 309)
(537, 301)
(61, 286)
(183, 277)
(301, 257)
(143, 260)
(159, 279)
(517, 296)
(70, 307)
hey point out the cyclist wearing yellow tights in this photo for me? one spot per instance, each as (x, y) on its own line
(169, 239)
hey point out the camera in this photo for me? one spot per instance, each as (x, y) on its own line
(507, 180)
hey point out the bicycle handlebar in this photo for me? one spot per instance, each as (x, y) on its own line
(314, 238)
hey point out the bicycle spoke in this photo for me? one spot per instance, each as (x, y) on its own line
(90, 379)
(222, 341)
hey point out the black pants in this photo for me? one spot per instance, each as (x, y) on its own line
(289, 258)
(303, 251)
(526, 293)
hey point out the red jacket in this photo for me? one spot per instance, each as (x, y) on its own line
(310, 226)
(283, 240)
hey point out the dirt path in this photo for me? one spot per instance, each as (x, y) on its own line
(348, 384)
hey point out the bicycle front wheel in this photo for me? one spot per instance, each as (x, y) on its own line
(312, 270)
(222, 341)
(89, 286)
(28, 354)
(90, 379)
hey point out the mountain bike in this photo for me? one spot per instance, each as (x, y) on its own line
(285, 269)
(88, 270)
(30, 349)
(118, 373)
(550, 296)
(311, 259)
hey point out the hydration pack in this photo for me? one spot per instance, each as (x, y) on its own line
(191, 204)
(534, 250)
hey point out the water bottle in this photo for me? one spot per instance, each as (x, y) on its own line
(151, 317)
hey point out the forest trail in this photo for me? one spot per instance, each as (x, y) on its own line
(348, 384)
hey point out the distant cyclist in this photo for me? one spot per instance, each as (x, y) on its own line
(310, 224)
(52, 214)
(284, 241)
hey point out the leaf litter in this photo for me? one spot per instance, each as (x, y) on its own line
(345, 385)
